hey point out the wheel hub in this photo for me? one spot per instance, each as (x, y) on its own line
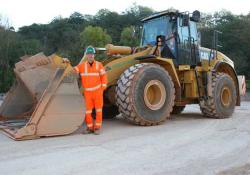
(226, 96)
(154, 94)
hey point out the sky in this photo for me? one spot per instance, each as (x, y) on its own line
(26, 12)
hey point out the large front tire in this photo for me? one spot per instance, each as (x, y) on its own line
(145, 94)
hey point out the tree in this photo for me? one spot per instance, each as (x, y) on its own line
(94, 36)
(111, 22)
(134, 14)
(235, 41)
(128, 37)
(30, 47)
(8, 40)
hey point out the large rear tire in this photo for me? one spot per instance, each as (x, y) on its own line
(223, 100)
(145, 94)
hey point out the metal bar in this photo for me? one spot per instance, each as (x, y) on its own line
(198, 83)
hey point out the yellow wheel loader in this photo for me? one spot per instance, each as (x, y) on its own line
(146, 84)
(168, 71)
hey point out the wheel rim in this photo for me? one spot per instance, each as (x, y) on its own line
(226, 96)
(154, 95)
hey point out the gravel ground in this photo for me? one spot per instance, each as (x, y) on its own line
(187, 144)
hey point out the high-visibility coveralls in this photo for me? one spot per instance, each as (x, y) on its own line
(94, 82)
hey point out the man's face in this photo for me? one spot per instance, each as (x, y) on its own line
(90, 57)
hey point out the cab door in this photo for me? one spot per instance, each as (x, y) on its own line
(184, 51)
(188, 49)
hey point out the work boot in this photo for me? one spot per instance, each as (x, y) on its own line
(87, 131)
(97, 131)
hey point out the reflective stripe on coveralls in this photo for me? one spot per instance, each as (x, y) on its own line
(90, 74)
(88, 112)
(93, 88)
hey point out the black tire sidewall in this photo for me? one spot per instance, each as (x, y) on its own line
(152, 72)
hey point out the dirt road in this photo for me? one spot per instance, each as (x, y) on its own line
(187, 144)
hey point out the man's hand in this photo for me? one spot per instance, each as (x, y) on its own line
(66, 60)
(75, 72)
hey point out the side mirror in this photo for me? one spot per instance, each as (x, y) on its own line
(196, 16)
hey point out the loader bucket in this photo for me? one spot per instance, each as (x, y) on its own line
(44, 100)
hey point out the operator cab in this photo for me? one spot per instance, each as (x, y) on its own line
(179, 32)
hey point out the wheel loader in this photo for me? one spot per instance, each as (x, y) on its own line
(146, 84)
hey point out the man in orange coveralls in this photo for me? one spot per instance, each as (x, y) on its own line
(94, 82)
